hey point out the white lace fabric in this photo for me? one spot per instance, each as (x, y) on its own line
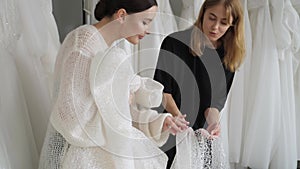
(91, 123)
(195, 150)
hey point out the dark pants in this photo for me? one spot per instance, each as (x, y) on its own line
(171, 154)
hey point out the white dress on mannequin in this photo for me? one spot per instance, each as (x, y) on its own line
(189, 13)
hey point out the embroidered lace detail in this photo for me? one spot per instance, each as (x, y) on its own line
(196, 150)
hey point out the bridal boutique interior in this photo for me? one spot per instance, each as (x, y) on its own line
(260, 121)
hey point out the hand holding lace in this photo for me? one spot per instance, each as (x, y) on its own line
(212, 119)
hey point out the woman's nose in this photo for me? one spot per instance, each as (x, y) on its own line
(215, 25)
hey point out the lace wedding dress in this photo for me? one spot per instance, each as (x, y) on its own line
(92, 124)
(195, 150)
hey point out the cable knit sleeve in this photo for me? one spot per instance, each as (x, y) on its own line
(75, 113)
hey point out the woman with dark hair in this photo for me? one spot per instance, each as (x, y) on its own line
(92, 124)
(197, 65)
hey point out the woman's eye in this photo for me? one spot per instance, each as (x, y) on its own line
(212, 18)
(145, 23)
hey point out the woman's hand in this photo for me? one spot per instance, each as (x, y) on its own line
(175, 124)
(214, 129)
(212, 116)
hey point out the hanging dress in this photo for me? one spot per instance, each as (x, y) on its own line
(163, 24)
(258, 135)
(296, 5)
(232, 115)
(286, 26)
(263, 108)
(189, 13)
(35, 52)
(17, 144)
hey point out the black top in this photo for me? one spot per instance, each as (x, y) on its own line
(195, 83)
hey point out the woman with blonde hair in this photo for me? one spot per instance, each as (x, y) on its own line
(197, 65)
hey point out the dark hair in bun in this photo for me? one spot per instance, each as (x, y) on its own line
(109, 7)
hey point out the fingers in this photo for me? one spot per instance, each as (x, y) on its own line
(214, 130)
(175, 124)
(181, 119)
(174, 129)
(181, 122)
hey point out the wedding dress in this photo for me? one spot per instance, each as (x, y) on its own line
(162, 25)
(195, 150)
(189, 13)
(232, 119)
(296, 5)
(20, 129)
(265, 129)
(263, 104)
(34, 54)
(17, 145)
(258, 125)
(92, 120)
(289, 27)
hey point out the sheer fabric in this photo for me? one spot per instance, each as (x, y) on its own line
(263, 136)
(260, 137)
(189, 13)
(91, 119)
(163, 24)
(17, 145)
(296, 5)
(34, 54)
(286, 155)
(195, 150)
(232, 119)
(22, 80)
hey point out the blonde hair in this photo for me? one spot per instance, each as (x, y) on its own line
(233, 40)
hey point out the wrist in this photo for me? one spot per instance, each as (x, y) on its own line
(212, 116)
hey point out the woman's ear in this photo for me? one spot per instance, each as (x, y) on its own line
(120, 15)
